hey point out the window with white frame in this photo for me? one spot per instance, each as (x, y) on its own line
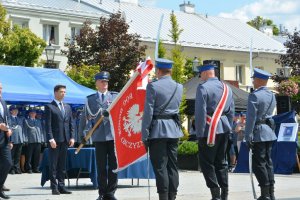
(23, 23)
(50, 33)
(75, 31)
(240, 73)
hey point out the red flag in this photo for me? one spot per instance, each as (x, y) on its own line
(126, 117)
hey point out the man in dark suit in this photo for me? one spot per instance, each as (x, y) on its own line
(5, 153)
(59, 132)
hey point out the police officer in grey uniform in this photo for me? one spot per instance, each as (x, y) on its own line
(34, 138)
(212, 158)
(161, 128)
(17, 138)
(102, 138)
(259, 134)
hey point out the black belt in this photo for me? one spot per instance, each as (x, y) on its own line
(263, 121)
(164, 116)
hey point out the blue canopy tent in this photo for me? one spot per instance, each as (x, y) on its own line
(27, 85)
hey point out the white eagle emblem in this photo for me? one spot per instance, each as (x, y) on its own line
(133, 121)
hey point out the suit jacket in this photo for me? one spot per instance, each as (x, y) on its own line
(4, 119)
(33, 131)
(208, 96)
(158, 94)
(92, 106)
(57, 126)
(261, 104)
(16, 125)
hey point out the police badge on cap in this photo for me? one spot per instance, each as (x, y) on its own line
(102, 76)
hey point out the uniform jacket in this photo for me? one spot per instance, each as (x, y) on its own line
(4, 119)
(33, 131)
(18, 136)
(260, 106)
(208, 96)
(57, 126)
(95, 104)
(158, 94)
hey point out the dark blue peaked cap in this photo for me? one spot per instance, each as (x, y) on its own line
(13, 107)
(261, 74)
(206, 67)
(163, 63)
(102, 76)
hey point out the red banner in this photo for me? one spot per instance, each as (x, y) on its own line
(126, 117)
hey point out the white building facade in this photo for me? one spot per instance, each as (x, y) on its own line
(205, 37)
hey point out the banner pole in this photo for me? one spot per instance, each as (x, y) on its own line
(251, 173)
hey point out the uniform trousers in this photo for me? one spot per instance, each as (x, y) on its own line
(105, 157)
(212, 161)
(57, 165)
(163, 156)
(16, 155)
(262, 163)
(5, 162)
(33, 156)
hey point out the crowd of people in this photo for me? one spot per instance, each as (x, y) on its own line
(216, 127)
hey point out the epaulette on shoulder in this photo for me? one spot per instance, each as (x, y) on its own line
(202, 82)
(91, 95)
(113, 92)
(153, 80)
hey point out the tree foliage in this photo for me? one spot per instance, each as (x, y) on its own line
(110, 46)
(189, 68)
(161, 50)
(178, 59)
(259, 22)
(84, 76)
(18, 46)
(175, 30)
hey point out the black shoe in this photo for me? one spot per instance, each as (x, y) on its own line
(29, 171)
(3, 196)
(55, 192)
(64, 191)
(36, 171)
(12, 172)
(5, 188)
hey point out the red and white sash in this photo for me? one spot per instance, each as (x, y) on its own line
(213, 121)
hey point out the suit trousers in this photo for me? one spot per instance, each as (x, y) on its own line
(212, 161)
(163, 155)
(262, 163)
(106, 162)
(33, 156)
(16, 155)
(57, 165)
(5, 162)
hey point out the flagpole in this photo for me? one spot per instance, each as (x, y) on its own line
(148, 171)
(250, 57)
(158, 37)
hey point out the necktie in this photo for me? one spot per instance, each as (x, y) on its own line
(102, 97)
(62, 109)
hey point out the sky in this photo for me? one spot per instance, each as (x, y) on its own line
(285, 12)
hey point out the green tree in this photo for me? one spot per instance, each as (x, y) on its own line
(259, 21)
(177, 57)
(110, 47)
(176, 54)
(161, 50)
(18, 46)
(84, 76)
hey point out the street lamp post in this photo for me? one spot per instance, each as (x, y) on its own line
(195, 66)
(50, 54)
